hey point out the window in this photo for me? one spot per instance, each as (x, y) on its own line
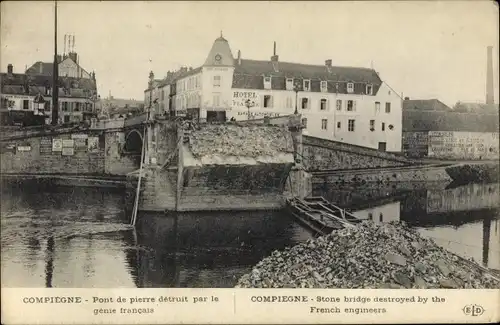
(305, 103)
(339, 104)
(383, 126)
(351, 105)
(350, 87)
(267, 101)
(350, 125)
(369, 89)
(307, 85)
(289, 102)
(66, 119)
(64, 106)
(289, 83)
(324, 86)
(26, 104)
(339, 125)
(323, 104)
(77, 106)
(304, 123)
(46, 106)
(372, 125)
(267, 82)
(324, 124)
(387, 107)
(377, 107)
(217, 81)
(216, 100)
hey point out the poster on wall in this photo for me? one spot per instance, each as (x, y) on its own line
(81, 144)
(57, 145)
(79, 136)
(24, 148)
(45, 145)
(93, 144)
(68, 143)
(68, 151)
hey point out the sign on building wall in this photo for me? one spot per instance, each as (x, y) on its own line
(24, 148)
(93, 144)
(463, 145)
(79, 136)
(57, 145)
(68, 151)
(240, 98)
(81, 145)
(68, 143)
(45, 145)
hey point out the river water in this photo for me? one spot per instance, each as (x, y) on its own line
(80, 237)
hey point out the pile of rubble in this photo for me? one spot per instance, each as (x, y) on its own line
(368, 256)
(235, 140)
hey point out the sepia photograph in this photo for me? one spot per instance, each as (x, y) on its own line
(258, 144)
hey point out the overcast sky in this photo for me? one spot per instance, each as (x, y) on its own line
(423, 49)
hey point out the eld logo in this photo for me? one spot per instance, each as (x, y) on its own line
(473, 310)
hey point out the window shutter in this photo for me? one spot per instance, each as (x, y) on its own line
(354, 105)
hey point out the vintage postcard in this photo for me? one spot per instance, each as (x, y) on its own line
(254, 162)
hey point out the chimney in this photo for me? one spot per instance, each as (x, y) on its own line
(328, 63)
(73, 56)
(239, 57)
(407, 98)
(274, 58)
(490, 97)
(10, 69)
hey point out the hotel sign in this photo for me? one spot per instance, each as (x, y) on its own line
(240, 97)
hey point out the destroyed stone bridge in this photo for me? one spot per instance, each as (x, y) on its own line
(240, 165)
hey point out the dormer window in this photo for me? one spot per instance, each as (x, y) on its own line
(307, 85)
(324, 86)
(350, 87)
(267, 82)
(369, 89)
(289, 83)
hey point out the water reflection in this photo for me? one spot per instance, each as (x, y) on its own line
(78, 237)
(462, 219)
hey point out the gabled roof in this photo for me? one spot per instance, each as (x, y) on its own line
(46, 68)
(425, 104)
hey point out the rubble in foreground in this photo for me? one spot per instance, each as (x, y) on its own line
(368, 256)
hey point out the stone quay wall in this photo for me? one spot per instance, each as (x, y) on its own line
(321, 154)
(69, 152)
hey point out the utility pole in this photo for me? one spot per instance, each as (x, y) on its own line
(55, 75)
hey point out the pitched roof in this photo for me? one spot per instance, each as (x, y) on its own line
(220, 54)
(23, 84)
(42, 68)
(248, 74)
(430, 120)
(476, 107)
(425, 104)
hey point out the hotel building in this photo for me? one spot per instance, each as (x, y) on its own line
(347, 104)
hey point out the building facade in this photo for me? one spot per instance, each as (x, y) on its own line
(438, 132)
(347, 104)
(21, 93)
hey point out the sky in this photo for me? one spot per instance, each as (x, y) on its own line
(422, 49)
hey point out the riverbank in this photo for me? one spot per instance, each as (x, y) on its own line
(66, 180)
(368, 256)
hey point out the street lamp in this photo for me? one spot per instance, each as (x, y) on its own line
(296, 88)
(249, 103)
